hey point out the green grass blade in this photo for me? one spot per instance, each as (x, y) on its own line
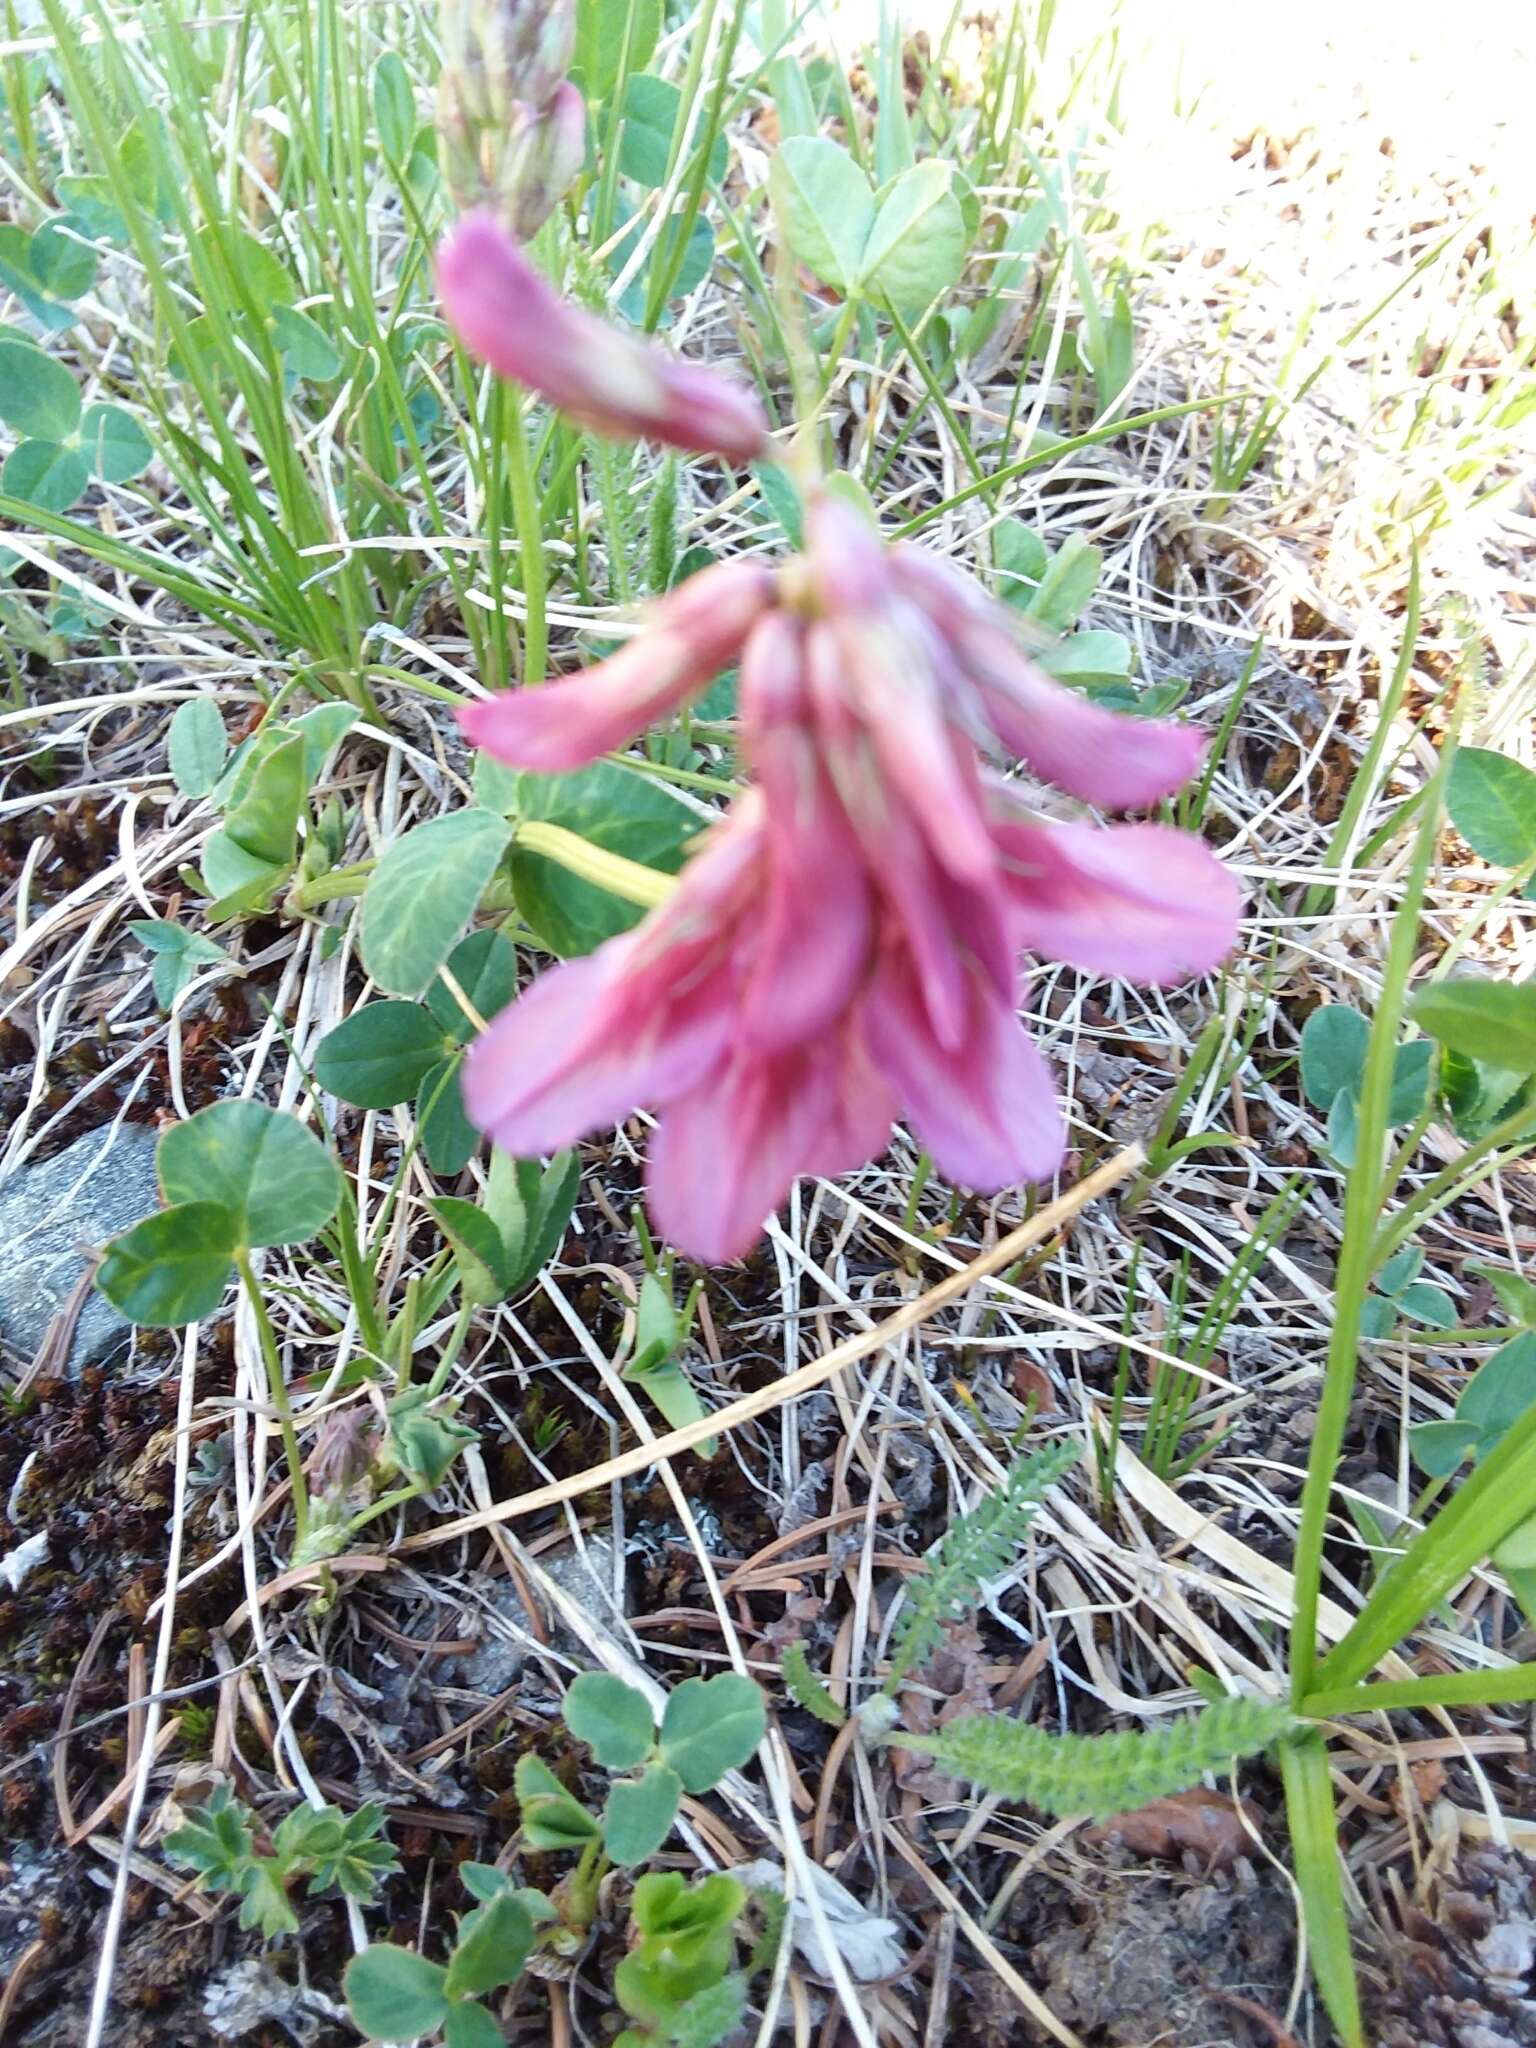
(1491, 1501)
(1509, 1683)
(1315, 1851)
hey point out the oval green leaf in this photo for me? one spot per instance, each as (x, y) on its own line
(601, 29)
(551, 1818)
(639, 1815)
(423, 893)
(114, 443)
(711, 1726)
(824, 206)
(274, 1177)
(916, 248)
(1334, 1042)
(651, 109)
(379, 1055)
(394, 1994)
(61, 262)
(493, 1944)
(1484, 1020)
(614, 809)
(173, 1267)
(470, 2026)
(305, 347)
(265, 820)
(38, 395)
(1492, 802)
(43, 474)
(197, 746)
(394, 107)
(448, 1138)
(611, 1718)
(485, 967)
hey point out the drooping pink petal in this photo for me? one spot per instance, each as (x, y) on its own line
(727, 1153)
(1105, 757)
(574, 1056)
(1143, 901)
(505, 313)
(684, 640)
(815, 922)
(858, 1126)
(987, 1110)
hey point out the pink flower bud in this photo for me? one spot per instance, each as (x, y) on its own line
(505, 313)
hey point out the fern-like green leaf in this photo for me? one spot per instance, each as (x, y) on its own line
(806, 1689)
(976, 1547)
(1100, 1775)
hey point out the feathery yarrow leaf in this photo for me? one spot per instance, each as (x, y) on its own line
(806, 1689)
(1101, 1775)
(976, 1547)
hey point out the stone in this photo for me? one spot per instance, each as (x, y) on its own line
(51, 1216)
(500, 1654)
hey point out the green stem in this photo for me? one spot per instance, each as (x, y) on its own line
(278, 1388)
(530, 540)
(1357, 1254)
(451, 1349)
(383, 1505)
(331, 886)
(1451, 1181)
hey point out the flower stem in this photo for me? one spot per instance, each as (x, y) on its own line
(1358, 1252)
(278, 1388)
(528, 515)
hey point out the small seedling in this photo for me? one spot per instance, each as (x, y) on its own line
(677, 1982)
(394, 1994)
(262, 790)
(1399, 1292)
(660, 1338)
(63, 445)
(1334, 1043)
(331, 1848)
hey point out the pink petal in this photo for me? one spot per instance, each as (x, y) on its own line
(850, 567)
(727, 1153)
(1143, 901)
(1105, 757)
(894, 687)
(505, 313)
(858, 1126)
(576, 1054)
(1102, 756)
(987, 1110)
(898, 860)
(815, 923)
(683, 642)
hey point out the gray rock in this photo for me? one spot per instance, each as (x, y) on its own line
(506, 1641)
(51, 1215)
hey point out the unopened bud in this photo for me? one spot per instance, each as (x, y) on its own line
(540, 160)
(512, 130)
(507, 53)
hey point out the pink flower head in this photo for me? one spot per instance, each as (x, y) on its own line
(843, 948)
(506, 314)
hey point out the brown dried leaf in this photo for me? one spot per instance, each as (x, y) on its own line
(1207, 1824)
